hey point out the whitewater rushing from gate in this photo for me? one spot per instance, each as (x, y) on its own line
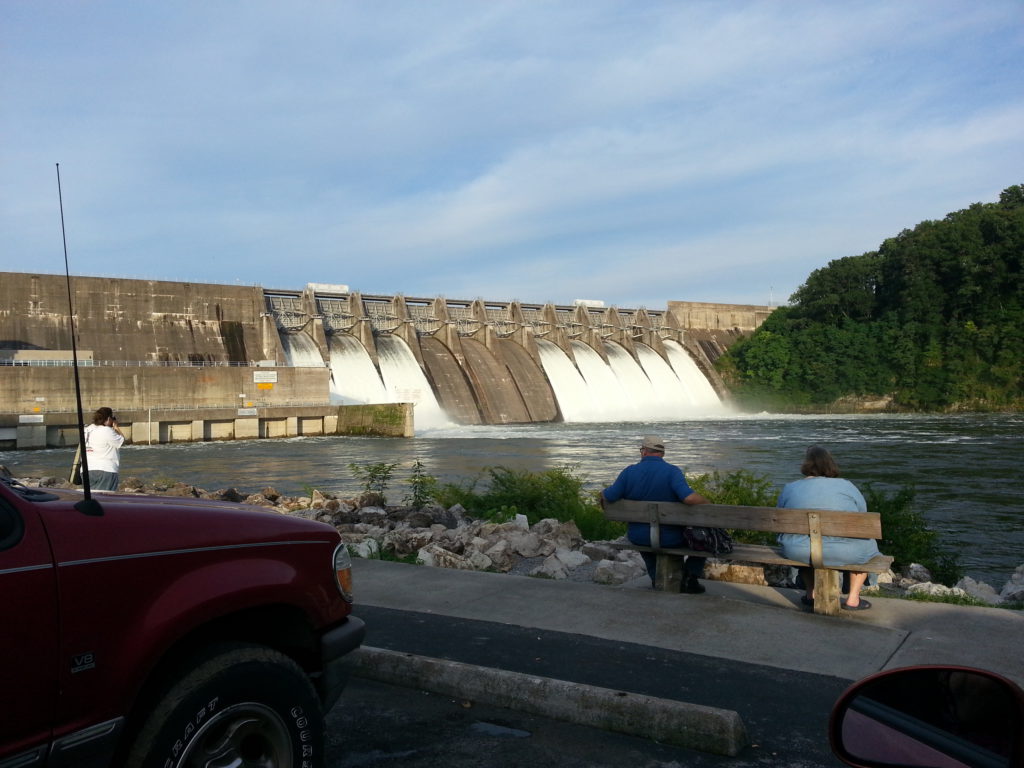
(405, 383)
(594, 391)
(354, 377)
(589, 390)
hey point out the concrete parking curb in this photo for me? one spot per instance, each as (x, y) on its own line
(707, 729)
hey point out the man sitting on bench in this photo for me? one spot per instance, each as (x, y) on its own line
(654, 479)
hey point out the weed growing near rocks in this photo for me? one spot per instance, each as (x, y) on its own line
(924, 597)
(422, 487)
(553, 493)
(374, 477)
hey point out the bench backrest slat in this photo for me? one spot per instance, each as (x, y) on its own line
(860, 525)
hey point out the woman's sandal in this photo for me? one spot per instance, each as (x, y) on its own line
(863, 605)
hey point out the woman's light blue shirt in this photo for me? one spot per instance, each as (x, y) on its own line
(834, 493)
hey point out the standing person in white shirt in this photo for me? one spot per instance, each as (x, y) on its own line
(103, 441)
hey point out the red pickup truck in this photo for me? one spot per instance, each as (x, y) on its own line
(158, 632)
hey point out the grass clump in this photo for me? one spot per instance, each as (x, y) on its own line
(501, 493)
(966, 600)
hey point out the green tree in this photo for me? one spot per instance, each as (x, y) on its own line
(933, 318)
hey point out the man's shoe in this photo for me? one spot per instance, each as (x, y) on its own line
(693, 587)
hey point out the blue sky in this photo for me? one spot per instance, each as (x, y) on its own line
(633, 152)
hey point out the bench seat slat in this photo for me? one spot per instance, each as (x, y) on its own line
(763, 555)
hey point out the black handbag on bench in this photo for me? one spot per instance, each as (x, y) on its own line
(714, 541)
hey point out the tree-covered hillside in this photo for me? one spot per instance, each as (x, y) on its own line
(934, 320)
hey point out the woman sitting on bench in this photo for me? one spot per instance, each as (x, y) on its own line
(822, 488)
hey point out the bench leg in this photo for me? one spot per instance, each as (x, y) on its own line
(826, 592)
(668, 575)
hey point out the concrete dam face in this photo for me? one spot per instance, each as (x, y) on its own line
(149, 344)
(495, 363)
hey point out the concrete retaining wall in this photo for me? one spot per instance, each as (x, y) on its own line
(60, 429)
(32, 389)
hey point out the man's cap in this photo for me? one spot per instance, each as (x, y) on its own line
(653, 443)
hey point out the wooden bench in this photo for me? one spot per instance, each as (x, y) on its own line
(813, 522)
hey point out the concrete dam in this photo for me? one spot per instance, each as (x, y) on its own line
(153, 345)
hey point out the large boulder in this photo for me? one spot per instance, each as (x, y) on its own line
(599, 550)
(551, 568)
(259, 500)
(366, 548)
(917, 572)
(438, 557)
(1013, 590)
(619, 571)
(501, 556)
(406, 541)
(558, 535)
(572, 558)
(979, 590)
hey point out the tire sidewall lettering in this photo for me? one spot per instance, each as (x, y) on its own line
(216, 689)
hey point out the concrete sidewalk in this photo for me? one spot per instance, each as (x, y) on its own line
(755, 625)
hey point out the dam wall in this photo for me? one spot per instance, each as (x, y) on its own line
(152, 345)
(714, 327)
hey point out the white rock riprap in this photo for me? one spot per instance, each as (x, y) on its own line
(1013, 590)
(979, 590)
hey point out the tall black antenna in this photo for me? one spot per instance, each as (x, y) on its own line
(88, 505)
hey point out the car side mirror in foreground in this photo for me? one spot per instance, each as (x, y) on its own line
(934, 716)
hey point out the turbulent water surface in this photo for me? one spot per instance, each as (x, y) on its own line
(967, 469)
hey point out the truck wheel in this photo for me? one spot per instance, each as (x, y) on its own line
(240, 705)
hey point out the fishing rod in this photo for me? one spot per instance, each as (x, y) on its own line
(88, 505)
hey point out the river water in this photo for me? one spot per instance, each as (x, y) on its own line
(967, 469)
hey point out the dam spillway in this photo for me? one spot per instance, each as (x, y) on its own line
(153, 344)
(496, 362)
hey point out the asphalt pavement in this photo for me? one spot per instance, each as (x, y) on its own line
(742, 649)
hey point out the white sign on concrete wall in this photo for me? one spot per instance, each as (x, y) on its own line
(30, 418)
(247, 412)
(264, 377)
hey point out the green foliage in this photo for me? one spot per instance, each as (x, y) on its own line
(553, 493)
(907, 537)
(739, 487)
(933, 318)
(921, 597)
(461, 492)
(422, 487)
(374, 477)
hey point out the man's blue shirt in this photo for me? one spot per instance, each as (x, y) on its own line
(651, 479)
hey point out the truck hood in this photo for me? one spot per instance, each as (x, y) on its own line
(137, 523)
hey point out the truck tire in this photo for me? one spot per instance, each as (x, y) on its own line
(239, 705)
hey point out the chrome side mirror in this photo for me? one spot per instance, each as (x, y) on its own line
(930, 717)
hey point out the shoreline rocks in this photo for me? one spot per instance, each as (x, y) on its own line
(450, 538)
